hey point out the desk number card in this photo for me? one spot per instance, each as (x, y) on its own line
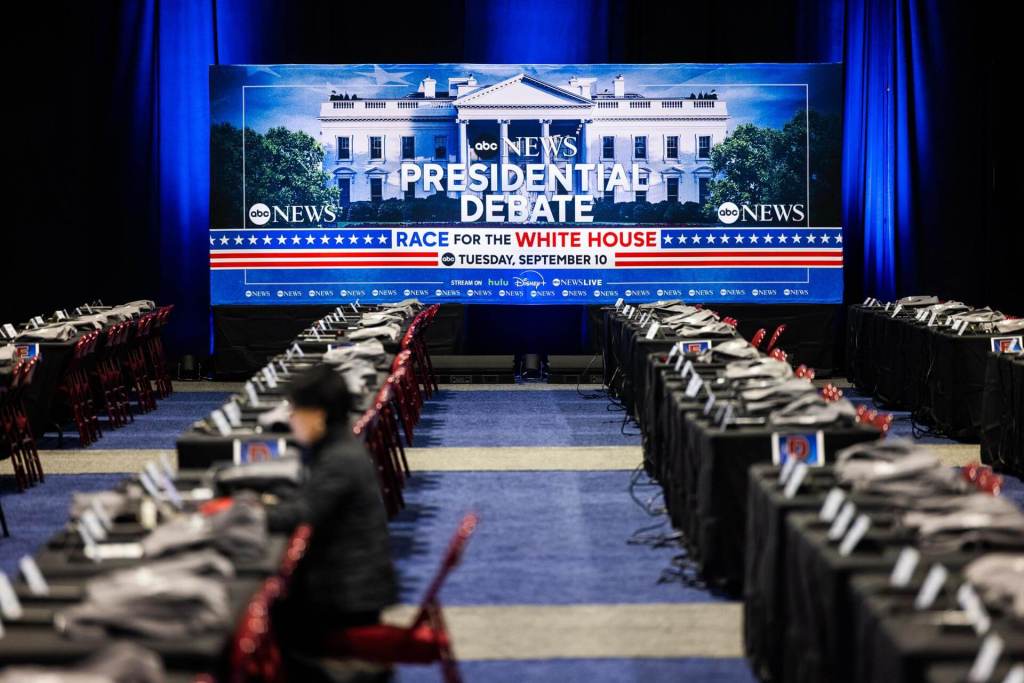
(696, 346)
(833, 501)
(805, 447)
(33, 577)
(27, 351)
(10, 606)
(904, 568)
(1007, 344)
(933, 583)
(245, 452)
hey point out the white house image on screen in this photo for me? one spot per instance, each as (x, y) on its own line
(668, 138)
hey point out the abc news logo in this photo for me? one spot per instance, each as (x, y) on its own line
(486, 146)
(261, 214)
(729, 213)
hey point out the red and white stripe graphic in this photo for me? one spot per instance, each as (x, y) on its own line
(269, 259)
(731, 258)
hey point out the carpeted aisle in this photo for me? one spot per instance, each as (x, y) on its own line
(550, 588)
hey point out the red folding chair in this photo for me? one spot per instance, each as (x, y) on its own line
(255, 652)
(16, 439)
(426, 639)
(109, 376)
(154, 348)
(135, 363)
(76, 390)
(369, 427)
(775, 338)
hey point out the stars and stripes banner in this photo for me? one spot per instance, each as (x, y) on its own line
(528, 264)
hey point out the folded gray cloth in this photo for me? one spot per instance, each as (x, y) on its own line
(730, 350)
(120, 662)
(160, 606)
(388, 331)
(913, 301)
(373, 319)
(55, 332)
(1016, 325)
(896, 467)
(259, 476)
(813, 410)
(371, 350)
(711, 329)
(999, 580)
(276, 417)
(693, 317)
(976, 520)
(113, 502)
(240, 532)
(767, 368)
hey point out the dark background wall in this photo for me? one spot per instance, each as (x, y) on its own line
(108, 188)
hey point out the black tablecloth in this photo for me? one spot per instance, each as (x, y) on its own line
(1002, 424)
(894, 642)
(936, 374)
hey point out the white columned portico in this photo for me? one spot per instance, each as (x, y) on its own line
(583, 150)
(503, 151)
(545, 134)
(463, 141)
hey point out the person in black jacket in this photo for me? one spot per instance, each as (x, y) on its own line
(346, 577)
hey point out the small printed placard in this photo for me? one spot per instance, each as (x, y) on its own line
(33, 577)
(233, 412)
(988, 657)
(833, 501)
(220, 422)
(933, 583)
(26, 351)
(257, 451)
(710, 403)
(904, 568)
(618, 303)
(842, 521)
(696, 346)
(795, 480)
(693, 386)
(1007, 344)
(10, 606)
(808, 447)
(652, 331)
(854, 535)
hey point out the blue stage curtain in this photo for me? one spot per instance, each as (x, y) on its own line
(166, 49)
(890, 72)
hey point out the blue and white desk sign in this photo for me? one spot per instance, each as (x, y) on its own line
(261, 450)
(1007, 344)
(26, 351)
(806, 447)
(696, 346)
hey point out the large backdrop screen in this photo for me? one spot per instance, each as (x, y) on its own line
(524, 183)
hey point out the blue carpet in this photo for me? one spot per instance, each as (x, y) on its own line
(36, 514)
(519, 418)
(591, 671)
(552, 538)
(159, 428)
